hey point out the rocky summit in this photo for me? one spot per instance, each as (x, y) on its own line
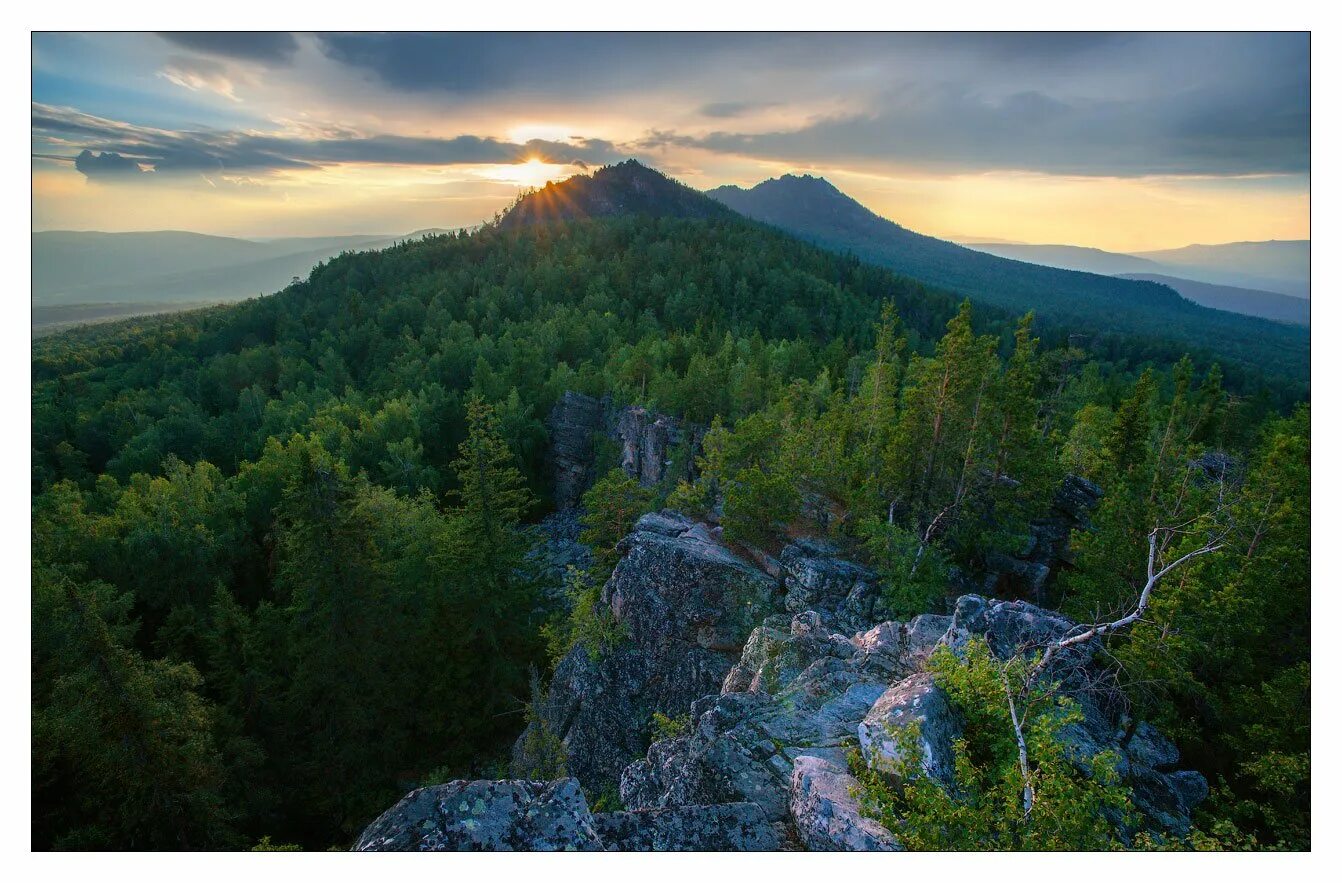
(776, 668)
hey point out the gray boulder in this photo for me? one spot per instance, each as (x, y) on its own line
(817, 578)
(520, 815)
(826, 815)
(799, 691)
(914, 701)
(1149, 747)
(725, 827)
(507, 815)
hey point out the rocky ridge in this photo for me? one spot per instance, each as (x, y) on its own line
(776, 668)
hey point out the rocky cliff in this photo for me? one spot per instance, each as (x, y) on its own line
(774, 670)
(646, 442)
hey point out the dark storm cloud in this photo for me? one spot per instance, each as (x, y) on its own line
(225, 152)
(1201, 132)
(265, 47)
(541, 63)
(106, 165)
(1244, 112)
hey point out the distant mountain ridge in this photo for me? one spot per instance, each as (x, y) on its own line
(816, 210)
(1276, 266)
(1247, 301)
(1097, 304)
(176, 267)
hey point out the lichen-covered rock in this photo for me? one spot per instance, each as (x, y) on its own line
(1014, 627)
(826, 815)
(687, 606)
(1149, 747)
(507, 815)
(817, 578)
(558, 549)
(914, 701)
(799, 691)
(1165, 797)
(724, 827)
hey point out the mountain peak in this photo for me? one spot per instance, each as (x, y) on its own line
(625, 188)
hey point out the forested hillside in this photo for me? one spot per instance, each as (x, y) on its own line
(283, 568)
(1140, 314)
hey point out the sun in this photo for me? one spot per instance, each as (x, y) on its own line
(530, 172)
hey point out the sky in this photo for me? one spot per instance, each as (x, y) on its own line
(1118, 141)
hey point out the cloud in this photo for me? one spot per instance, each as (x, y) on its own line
(569, 64)
(729, 109)
(1233, 119)
(236, 152)
(275, 49)
(106, 165)
(1104, 105)
(197, 74)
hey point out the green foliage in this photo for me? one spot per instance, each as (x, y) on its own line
(297, 518)
(589, 624)
(108, 722)
(541, 754)
(1074, 808)
(913, 574)
(666, 727)
(610, 508)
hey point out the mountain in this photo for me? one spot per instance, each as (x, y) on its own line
(80, 277)
(629, 188)
(72, 266)
(1103, 306)
(1280, 265)
(1069, 257)
(1245, 301)
(1266, 304)
(1274, 267)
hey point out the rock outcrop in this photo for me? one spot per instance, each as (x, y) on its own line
(485, 816)
(803, 691)
(686, 605)
(777, 678)
(519, 815)
(825, 813)
(1029, 572)
(915, 701)
(573, 425)
(646, 441)
(815, 577)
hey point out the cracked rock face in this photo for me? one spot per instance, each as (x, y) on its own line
(914, 701)
(687, 606)
(647, 441)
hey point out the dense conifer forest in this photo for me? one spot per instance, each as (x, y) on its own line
(284, 558)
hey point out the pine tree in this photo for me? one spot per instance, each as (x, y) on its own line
(123, 752)
(610, 508)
